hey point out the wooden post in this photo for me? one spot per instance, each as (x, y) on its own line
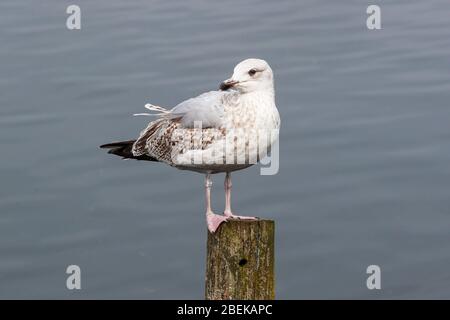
(240, 261)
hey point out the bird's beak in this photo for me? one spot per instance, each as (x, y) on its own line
(227, 84)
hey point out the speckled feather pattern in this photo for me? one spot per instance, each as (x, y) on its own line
(169, 141)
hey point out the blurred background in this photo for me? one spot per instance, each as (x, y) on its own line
(364, 149)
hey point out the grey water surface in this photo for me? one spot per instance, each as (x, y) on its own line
(364, 148)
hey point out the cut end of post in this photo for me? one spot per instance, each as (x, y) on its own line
(240, 261)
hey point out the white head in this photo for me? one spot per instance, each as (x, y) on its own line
(250, 75)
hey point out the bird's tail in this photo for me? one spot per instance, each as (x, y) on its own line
(124, 149)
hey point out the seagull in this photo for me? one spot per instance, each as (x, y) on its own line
(218, 131)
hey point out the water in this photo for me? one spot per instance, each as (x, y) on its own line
(364, 174)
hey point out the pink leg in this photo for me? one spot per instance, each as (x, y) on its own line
(227, 212)
(212, 220)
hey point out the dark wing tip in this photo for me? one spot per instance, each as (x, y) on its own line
(124, 150)
(117, 144)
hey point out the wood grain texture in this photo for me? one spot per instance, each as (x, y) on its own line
(240, 261)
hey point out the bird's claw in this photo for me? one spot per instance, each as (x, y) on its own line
(214, 221)
(233, 216)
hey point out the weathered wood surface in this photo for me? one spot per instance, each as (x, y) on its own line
(240, 261)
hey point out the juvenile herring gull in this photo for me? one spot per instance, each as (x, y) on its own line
(217, 131)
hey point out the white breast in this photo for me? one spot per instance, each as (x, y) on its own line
(250, 127)
(256, 116)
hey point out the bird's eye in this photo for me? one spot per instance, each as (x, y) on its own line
(252, 72)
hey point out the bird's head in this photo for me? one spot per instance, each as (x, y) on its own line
(250, 75)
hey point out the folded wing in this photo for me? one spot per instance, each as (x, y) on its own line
(205, 111)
